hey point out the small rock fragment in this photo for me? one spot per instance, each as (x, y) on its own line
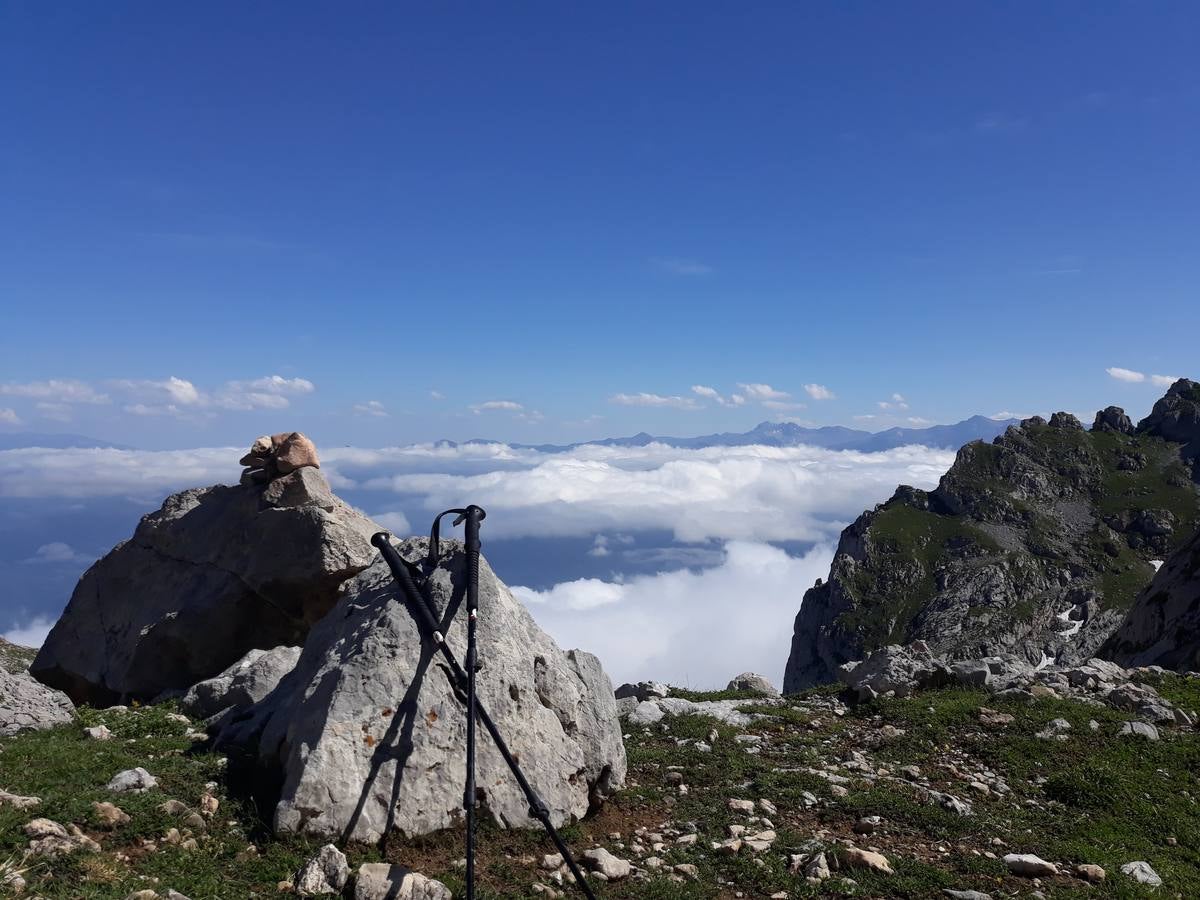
(325, 873)
(134, 781)
(1028, 865)
(854, 858)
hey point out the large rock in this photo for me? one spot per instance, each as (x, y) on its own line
(368, 736)
(27, 705)
(1032, 546)
(895, 671)
(243, 684)
(753, 683)
(1163, 625)
(213, 574)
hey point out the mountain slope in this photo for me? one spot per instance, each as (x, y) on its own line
(1163, 625)
(1037, 543)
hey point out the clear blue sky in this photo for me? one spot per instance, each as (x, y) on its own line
(980, 207)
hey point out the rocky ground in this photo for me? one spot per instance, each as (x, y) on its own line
(949, 789)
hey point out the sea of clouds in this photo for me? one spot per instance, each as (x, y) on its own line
(750, 528)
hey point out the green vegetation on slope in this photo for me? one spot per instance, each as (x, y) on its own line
(1095, 797)
(909, 544)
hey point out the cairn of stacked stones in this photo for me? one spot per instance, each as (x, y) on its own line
(274, 455)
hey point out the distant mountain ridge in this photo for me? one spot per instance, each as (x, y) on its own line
(789, 434)
(24, 440)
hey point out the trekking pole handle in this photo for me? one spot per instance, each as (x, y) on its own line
(472, 516)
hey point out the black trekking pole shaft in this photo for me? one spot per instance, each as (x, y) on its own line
(427, 613)
(472, 515)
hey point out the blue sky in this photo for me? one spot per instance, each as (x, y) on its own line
(979, 207)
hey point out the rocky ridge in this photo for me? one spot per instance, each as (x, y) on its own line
(1034, 545)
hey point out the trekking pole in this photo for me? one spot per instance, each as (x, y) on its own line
(472, 516)
(427, 613)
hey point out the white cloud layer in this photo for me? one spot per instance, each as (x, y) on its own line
(760, 392)
(1134, 377)
(172, 396)
(9, 416)
(724, 493)
(653, 400)
(1125, 374)
(58, 552)
(371, 408)
(697, 627)
(819, 392)
(729, 612)
(56, 390)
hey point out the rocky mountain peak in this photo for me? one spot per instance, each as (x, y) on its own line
(1035, 544)
(1176, 417)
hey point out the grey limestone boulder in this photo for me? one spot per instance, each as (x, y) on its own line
(27, 705)
(895, 670)
(380, 881)
(243, 684)
(368, 735)
(213, 574)
(754, 683)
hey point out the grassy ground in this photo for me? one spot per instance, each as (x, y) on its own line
(14, 658)
(1095, 797)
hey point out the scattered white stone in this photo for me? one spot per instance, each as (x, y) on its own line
(1140, 729)
(1028, 865)
(325, 873)
(98, 733)
(380, 881)
(136, 781)
(1056, 730)
(854, 858)
(611, 867)
(1142, 873)
(17, 801)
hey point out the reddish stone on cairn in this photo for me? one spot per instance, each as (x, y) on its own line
(276, 455)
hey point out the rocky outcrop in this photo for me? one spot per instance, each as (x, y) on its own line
(1034, 545)
(1176, 417)
(901, 671)
(367, 735)
(1113, 418)
(26, 705)
(1163, 625)
(213, 574)
(243, 684)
